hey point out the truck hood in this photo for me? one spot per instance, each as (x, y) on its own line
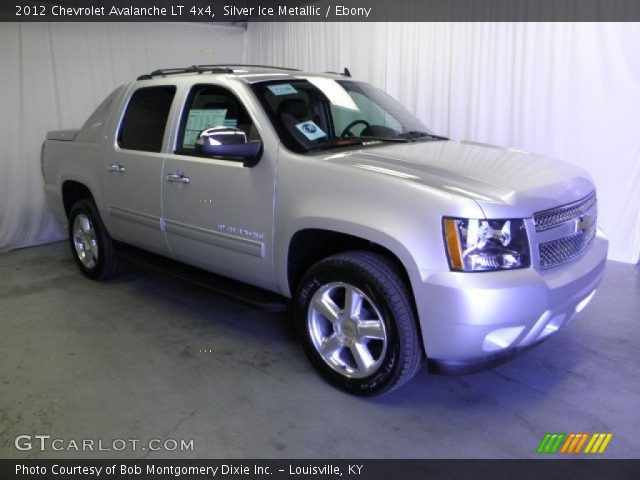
(506, 183)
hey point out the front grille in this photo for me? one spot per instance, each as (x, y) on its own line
(562, 250)
(583, 217)
(557, 216)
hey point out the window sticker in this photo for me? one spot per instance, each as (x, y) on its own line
(310, 130)
(199, 120)
(282, 89)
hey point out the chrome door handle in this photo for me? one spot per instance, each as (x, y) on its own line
(177, 177)
(116, 167)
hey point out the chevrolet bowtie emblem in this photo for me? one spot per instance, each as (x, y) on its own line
(583, 223)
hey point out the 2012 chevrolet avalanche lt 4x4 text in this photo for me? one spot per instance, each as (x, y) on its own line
(395, 245)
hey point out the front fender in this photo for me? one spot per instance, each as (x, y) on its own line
(336, 225)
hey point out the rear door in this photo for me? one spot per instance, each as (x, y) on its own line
(218, 213)
(134, 169)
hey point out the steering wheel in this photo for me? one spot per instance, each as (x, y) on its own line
(347, 133)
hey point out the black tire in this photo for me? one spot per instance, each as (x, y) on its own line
(107, 264)
(378, 278)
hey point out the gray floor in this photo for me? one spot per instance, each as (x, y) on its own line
(146, 357)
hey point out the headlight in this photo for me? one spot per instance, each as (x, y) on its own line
(479, 245)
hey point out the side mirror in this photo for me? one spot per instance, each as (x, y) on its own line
(229, 142)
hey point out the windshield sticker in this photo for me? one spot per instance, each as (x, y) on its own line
(310, 130)
(282, 89)
(199, 120)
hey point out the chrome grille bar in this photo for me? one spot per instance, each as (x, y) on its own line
(557, 216)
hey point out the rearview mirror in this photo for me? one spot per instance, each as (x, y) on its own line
(229, 142)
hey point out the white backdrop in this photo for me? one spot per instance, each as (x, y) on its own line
(53, 75)
(570, 91)
(567, 90)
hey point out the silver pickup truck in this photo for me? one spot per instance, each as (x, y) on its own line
(394, 244)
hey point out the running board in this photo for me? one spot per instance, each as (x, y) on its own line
(253, 296)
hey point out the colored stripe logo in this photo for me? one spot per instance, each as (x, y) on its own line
(574, 443)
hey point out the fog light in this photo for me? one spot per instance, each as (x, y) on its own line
(501, 338)
(553, 325)
(583, 303)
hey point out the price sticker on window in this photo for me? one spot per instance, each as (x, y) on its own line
(282, 89)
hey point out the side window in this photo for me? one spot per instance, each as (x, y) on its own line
(145, 119)
(209, 106)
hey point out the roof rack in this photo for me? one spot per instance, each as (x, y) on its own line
(218, 68)
(163, 72)
(228, 65)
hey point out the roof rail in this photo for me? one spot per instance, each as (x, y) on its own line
(229, 65)
(163, 72)
(218, 68)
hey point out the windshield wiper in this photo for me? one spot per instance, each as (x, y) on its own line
(347, 142)
(413, 134)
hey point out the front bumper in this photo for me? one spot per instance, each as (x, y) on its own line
(471, 321)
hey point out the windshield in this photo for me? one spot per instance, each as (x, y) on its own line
(320, 113)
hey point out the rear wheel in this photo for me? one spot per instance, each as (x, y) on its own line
(356, 323)
(91, 245)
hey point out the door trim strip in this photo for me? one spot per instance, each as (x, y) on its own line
(135, 217)
(219, 239)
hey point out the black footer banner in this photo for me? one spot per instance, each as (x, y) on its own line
(320, 469)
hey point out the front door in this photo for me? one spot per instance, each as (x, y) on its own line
(134, 170)
(218, 213)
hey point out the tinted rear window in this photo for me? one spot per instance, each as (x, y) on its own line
(145, 119)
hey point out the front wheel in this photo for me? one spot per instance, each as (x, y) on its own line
(356, 323)
(91, 245)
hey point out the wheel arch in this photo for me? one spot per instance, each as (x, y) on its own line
(72, 191)
(309, 244)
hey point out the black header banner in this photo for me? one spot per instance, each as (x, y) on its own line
(319, 469)
(234, 11)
